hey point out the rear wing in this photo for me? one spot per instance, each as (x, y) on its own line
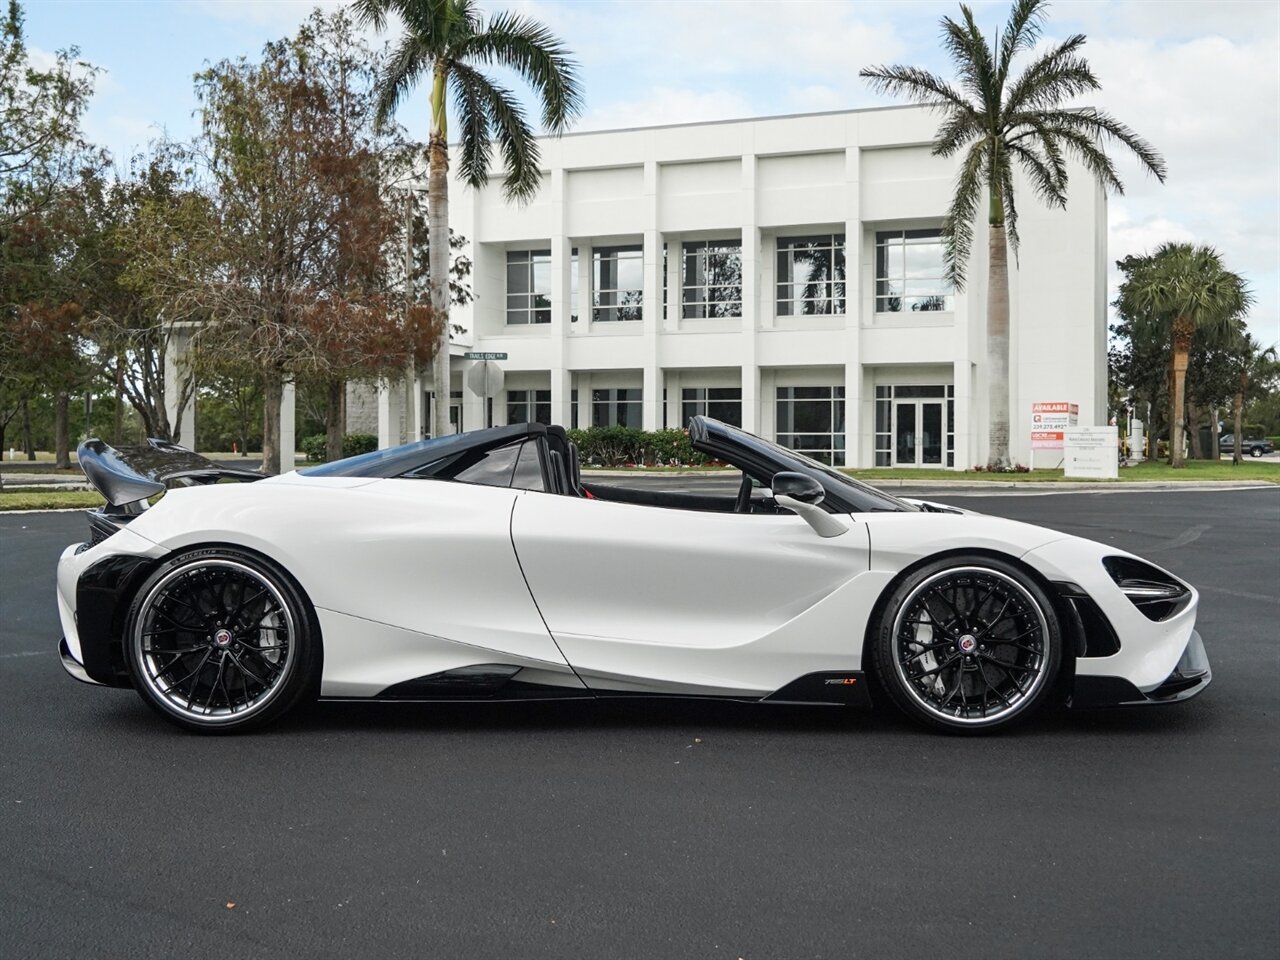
(128, 476)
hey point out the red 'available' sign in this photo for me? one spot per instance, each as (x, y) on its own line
(1048, 420)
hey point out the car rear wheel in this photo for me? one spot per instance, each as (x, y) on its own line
(1255, 451)
(221, 640)
(968, 644)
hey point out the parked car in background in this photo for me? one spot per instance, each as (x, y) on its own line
(1254, 448)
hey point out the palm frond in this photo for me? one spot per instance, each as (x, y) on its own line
(404, 67)
(961, 126)
(471, 103)
(510, 128)
(915, 84)
(1048, 181)
(1090, 153)
(1023, 30)
(1057, 76)
(971, 56)
(530, 49)
(957, 228)
(1102, 126)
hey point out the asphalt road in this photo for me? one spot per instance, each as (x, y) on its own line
(658, 830)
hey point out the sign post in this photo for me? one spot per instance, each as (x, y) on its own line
(485, 378)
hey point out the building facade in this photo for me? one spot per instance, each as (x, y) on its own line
(783, 274)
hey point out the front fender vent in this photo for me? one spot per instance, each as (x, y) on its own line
(1158, 595)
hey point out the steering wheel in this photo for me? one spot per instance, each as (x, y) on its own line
(743, 503)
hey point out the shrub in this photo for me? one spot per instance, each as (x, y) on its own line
(622, 446)
(354, 444)
(314, 447)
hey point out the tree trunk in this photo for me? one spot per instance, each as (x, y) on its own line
(117, 418)
(1237, 410)
(27, 445)
(61, 437)
(272, 392)
(335, 418)
(998, 348)
(1194, 416)
(1182, 333)
(438, 222)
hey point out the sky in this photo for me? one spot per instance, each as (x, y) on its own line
(1200, 79)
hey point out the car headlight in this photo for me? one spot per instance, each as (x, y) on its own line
(1158, 595)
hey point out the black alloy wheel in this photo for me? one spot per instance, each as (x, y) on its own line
(968, 645)
(221, 640)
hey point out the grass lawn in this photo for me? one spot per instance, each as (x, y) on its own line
(48, 500)
(1149, 471)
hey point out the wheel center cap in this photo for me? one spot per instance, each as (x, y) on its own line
(967, 643)
(222, 638)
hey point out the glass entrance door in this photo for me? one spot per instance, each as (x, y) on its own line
(918, 436)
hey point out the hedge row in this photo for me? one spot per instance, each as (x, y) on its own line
(625, 446)
(352, 444)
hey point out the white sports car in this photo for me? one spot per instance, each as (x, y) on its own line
(478, 566)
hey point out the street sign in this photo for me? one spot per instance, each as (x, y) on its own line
(486, 379)
(481, 355)
(1048, 421)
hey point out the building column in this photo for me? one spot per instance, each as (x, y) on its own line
(390, 414)
(288, 427)
(652, 322)
(751, 306)
(965, 435)
(180, 393)
(562, 306)
(853, 257)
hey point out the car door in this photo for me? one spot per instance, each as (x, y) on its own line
(658, 600)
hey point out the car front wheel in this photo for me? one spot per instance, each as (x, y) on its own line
(221, 640)
(968, 644)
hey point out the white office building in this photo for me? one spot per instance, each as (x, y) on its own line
(783, 274)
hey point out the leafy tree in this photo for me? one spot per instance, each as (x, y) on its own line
(1001, 124)
(450, 41)
(1180, 291)
(41, 148)
(1257, 376)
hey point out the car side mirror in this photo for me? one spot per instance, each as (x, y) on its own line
(798, 486)
(801, 494)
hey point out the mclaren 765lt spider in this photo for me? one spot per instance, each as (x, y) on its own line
(479, 567)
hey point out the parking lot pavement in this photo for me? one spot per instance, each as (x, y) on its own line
(658, 830)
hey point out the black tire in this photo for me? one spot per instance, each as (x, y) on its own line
(969, 627)
(1255, 451)
(220, 640)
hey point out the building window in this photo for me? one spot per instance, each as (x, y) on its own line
(719, 403)
(910, 430)
(529, 406)
(712, 284)
(811, 421)
(618, 289)
(911, 272)
(811, 275)
(528, 286)
(616, 408)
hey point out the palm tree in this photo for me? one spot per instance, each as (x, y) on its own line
(1002, 124)
(1184, 289)
(1257, 372)
(449, 40)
